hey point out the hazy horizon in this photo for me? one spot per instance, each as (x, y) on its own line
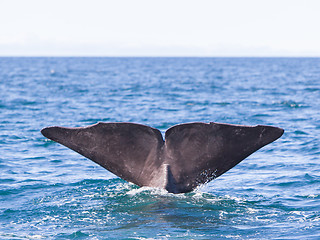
(144, 28)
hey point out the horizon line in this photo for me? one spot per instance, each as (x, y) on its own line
(155, 56)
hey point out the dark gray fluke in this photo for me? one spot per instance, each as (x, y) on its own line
(192, 153)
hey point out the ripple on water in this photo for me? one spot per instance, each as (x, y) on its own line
(50, 192)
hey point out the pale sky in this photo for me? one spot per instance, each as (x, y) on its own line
(160, 28)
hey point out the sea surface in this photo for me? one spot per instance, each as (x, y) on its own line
(47, 191)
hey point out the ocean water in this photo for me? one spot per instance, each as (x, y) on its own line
(48, 191)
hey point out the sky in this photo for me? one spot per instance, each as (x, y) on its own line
(160, 28)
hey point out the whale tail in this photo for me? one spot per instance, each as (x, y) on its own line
(192, 153)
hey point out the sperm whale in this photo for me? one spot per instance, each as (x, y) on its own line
(191, 154)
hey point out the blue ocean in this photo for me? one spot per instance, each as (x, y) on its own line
(47, 191)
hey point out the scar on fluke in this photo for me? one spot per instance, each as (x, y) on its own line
(191, 154)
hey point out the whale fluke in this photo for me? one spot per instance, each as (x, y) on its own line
(192, 153)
